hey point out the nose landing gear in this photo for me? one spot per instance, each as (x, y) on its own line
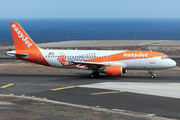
(152, 74)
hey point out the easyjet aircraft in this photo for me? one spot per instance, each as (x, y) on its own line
(112, 63)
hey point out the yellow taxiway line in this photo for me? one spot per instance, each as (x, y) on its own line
(106, 92)
(36, 84)
(41, 84)
(63, 88)
(7, 85)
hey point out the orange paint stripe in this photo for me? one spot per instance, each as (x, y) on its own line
(129, 55)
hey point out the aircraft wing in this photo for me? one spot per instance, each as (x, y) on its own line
(88, 63)
(101, 63)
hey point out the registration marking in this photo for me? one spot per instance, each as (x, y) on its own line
(7, 85)
(106, 92)
(63, 88)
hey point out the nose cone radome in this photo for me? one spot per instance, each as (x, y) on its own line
(172, 63)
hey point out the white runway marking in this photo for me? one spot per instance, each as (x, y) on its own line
(158, 89)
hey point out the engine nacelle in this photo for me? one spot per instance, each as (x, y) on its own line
(112, 70)
(124, 71)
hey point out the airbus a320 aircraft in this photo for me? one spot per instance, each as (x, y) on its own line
(112, 63)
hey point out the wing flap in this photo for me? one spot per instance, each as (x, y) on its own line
(101, 64)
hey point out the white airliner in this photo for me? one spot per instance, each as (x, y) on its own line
(110, 62)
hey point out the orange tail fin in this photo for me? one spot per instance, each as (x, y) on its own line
(26, 49)
(22, 41)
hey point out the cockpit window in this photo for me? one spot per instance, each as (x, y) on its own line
(165, 57)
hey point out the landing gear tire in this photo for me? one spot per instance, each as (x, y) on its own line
(92, 75)
(152, 76)
(96, 74)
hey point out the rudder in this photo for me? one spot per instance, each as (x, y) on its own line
(21, 39)
(26, 49)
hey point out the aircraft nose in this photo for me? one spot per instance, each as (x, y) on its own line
(172, 63)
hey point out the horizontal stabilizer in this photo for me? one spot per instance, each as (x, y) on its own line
(13, 54)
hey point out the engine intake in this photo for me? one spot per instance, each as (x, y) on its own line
(124, 71)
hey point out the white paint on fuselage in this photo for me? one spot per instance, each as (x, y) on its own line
(141, 64)
(147, 63)
(87, 54)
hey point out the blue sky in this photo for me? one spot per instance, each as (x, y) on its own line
(89, 8)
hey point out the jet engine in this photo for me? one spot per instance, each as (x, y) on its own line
(124, 71)
(112, 70)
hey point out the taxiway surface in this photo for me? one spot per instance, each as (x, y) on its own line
(79, 89)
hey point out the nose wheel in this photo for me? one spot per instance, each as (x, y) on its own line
(153, 76)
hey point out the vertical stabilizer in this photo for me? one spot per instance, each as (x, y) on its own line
(26, 49)
(22, 41)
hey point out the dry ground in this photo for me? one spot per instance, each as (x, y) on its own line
(172, 50)
(26, 108)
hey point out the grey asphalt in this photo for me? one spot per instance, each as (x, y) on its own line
(41, 85)
(10, 60)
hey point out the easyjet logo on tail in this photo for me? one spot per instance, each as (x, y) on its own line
(20, 35)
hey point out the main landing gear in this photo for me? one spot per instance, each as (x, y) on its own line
(94, 74)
